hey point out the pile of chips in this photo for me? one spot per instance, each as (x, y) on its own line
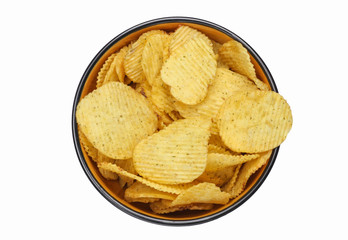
(181, 121)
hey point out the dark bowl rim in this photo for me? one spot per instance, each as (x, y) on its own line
(101, 190)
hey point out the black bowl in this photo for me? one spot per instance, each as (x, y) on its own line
(110, 189)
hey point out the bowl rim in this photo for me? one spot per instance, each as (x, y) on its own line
(101, 190)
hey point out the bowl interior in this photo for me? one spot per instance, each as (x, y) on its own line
(112, 188)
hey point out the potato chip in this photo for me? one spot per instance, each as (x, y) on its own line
(164, 206)
(152, 56)
(161, 97)
(218, 161)
(104, 70)
(108, 174)
(87, 146)
(229, 185)
(189, 71)
(237, 58)
(113, 72)
(176, 154)
(254, 121)
(119, 64)
(115, 118)
(202, 193)
(246, 171)
(127, 165)
(224, 85)
(132, 61)
(175, 189)
(183, 34)
(217, 149)
(139, 192)
(218, 177)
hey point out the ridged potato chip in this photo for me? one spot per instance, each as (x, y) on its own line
(202, 193)
(217, 161)
(164, 206)
(139, 192)
(176, 154)
(175, 189)
(115, 118)
(246, 171)
(229, 185)
(236, 57)
(224, 85)
(132, 62)
(114, 71)
(104, 70)
(153, 56)
(189, 71)
(127, 165)
(184, 33)
(254, 121)
(218, 177)
(161, 97)
(87, 146)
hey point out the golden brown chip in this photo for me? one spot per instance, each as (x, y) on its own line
(175, 189)
(108, 174)
(104, 70)
(224, 85)
(152, 56)
(119, 64)
(189, 71)
(132, 62)
(229, 185)
(237, 58)
(218, 161)
(246, 171)
(202, 193)
(87, 146)
(254, 121)
(218, 177)
(164, 206)
(127, 165)
(176, 154)
(115, 118)
(183, 34)
(161, 97)
(139, 192)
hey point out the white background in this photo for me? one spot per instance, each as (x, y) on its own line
(45, 48)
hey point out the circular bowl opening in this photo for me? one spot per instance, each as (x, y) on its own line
(111, 189)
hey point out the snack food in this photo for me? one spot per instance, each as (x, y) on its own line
(159, 121)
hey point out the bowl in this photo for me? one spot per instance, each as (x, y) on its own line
(110, 190)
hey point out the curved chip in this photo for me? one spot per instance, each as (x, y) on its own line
(224, 85)
(237, 58)
(217, 161)
(139, 192)
(202, 193)
(115, 118)
(254, 121)
(184, 33)
(246, 171)
(104, 70)
(87, 146)
(175, 189)
(164, 206)
(132, 61)
(189, 71)
(152, 56)
(229, 185)
(176, 154)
